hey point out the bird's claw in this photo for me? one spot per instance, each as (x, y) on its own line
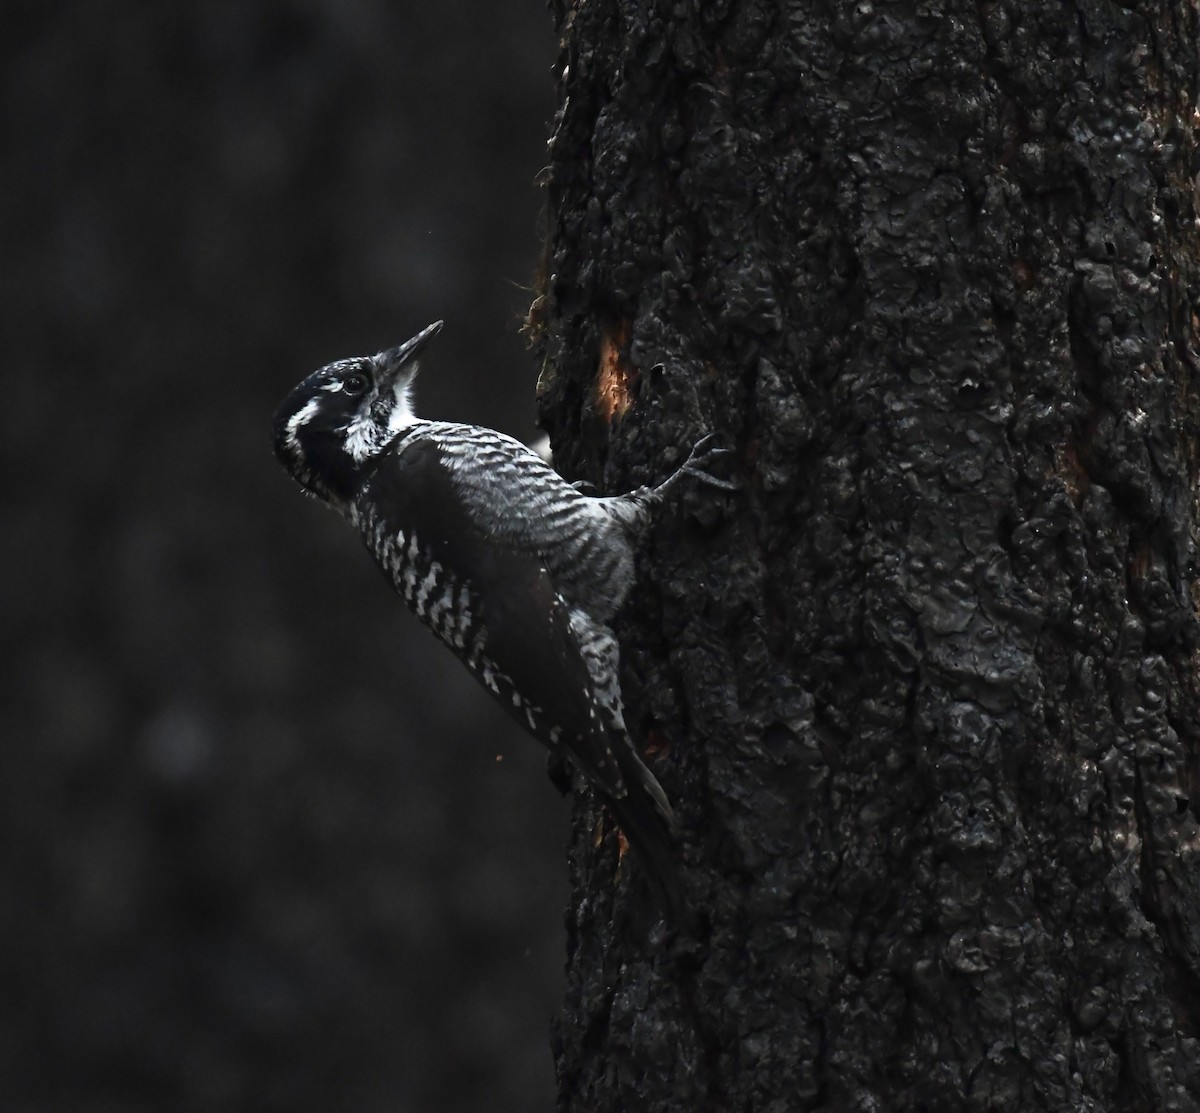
(702, 456)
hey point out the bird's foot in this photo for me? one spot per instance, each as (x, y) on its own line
(705, 453)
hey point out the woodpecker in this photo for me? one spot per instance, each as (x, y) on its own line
(516, 570)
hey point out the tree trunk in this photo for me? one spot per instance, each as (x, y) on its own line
(924, 693)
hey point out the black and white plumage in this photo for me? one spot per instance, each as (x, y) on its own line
(514, 569)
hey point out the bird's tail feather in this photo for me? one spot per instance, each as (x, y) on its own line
(655, 852)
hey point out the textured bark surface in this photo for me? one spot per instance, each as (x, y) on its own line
(925, 692)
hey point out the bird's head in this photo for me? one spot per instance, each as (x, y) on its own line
(344, 415)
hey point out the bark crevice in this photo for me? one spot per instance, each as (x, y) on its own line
(930, 689)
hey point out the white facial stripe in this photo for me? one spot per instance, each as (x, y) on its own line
(362, 439)
(402, 415)
(300, 417)
(368, 433)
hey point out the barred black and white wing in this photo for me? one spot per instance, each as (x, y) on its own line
(518, 501)
(487, 590)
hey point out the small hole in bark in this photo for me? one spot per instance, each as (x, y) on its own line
(1108, 247)
(1181, 804)
(777, 736)
(970, 393)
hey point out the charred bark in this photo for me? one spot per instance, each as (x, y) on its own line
(925, 693)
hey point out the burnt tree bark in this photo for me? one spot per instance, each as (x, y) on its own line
(925, 693)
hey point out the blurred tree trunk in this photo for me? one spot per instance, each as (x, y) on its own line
(925, 693)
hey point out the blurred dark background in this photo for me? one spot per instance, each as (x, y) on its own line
(258, 850)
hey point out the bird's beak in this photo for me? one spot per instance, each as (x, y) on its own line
(395, 358)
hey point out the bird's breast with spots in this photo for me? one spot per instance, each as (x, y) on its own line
(434, 593)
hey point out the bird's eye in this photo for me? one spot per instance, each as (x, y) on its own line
(355, 384)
